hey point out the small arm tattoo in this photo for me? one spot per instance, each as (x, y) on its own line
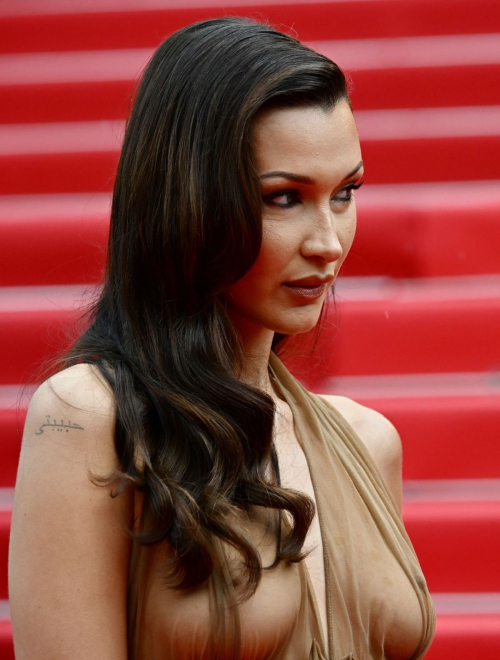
(58, 426)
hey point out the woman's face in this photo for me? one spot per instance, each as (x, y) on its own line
(307, 160)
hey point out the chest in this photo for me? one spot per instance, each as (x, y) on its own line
(295, 473)
(367, 571)
(365, 577)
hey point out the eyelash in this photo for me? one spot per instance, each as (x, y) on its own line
(268, 198)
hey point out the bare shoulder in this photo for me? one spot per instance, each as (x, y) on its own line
(380, 437)
(80, 400)
(81, 385)
(68, 548)
(376, 431)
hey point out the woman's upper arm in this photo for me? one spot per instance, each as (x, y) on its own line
(69, 551)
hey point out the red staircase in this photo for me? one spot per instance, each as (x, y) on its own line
(416, 334)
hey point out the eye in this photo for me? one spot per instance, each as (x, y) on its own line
(286, 199)
(348, 190)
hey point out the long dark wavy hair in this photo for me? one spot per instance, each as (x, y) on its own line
(185, 224)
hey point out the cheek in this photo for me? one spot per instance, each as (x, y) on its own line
(276, 250)
(270, 267)
(346, 234)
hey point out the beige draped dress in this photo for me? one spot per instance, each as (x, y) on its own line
(377, 606)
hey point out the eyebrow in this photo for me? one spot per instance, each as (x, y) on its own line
(300, 178)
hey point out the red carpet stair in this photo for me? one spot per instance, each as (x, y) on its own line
(415, 328)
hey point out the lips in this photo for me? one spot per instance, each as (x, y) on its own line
(306, 292)
(313, 281)
(311, 287)
(303, 286)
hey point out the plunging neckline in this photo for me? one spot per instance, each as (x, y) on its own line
(307, 432)
(328, 643)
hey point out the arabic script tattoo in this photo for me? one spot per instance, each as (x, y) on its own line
(58, 427)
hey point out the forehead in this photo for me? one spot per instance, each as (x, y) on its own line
(308, 141)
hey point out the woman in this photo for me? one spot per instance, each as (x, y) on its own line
(232, 214)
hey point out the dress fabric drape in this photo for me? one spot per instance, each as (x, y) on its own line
(376, 591)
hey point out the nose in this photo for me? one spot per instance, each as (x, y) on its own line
(322, 238)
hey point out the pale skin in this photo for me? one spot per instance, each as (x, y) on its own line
(308, 229)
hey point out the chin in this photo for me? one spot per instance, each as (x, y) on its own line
(299, 325)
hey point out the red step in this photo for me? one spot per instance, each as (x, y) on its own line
(54, 239)
(12, 419)
(73, 86)
(384, 326)
(54, 25)
(398, 146)
(425, 71)
(446, 437)
(34, 322)
(457, 543)
(456, 70)
(425, 230)
(447, 432)
(67, 157)
(6, 502)
(466, 636)
(6, 642)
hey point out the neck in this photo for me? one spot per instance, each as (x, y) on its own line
(257, 342)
